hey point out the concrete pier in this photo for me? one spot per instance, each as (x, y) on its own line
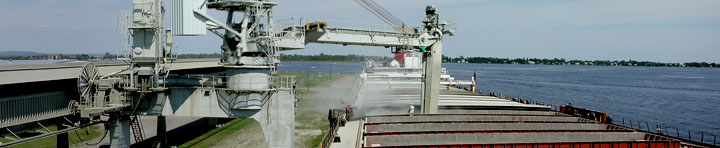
(277, 119)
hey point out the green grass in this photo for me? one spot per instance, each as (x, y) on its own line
(216, 135)
(305, 80)
(314, 120)
(309, 119)
(50, 142)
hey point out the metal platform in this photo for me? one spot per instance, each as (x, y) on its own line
(13, 74)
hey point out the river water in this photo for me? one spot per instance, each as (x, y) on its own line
(673, 97)
(24, 62)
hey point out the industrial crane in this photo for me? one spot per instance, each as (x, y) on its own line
(245, 83)
(384, 15)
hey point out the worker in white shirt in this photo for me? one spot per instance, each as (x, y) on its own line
(411, 110)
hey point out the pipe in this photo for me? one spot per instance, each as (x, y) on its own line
(218, 23)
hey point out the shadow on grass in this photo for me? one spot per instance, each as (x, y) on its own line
(215, 135)
(185, 133)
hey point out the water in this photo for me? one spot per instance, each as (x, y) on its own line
(25, 62)
(684, 98)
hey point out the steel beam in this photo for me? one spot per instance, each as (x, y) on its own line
(162, 131)
(62, 138)
(432, 60)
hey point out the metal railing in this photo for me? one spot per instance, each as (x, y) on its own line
(335, 117)
(289, 28)
(284, 81)
(346, 27)
(278, 81)
(356, 25)
(660, 129)
(671, 131)
(27, 108)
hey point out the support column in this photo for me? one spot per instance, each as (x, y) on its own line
(162, 131)
(432, 62)
(213, 122)
(119, 131)
(277, 119)
(62, 139)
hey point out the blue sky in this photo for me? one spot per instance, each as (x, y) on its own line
(656, 30)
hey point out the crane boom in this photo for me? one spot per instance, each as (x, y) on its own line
(383, 14)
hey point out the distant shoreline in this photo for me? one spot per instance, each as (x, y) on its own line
(580, 65)
(562, 61)
(360, 58)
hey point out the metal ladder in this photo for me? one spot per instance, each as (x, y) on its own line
(136, 128)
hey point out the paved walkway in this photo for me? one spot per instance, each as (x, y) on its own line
(348, 135)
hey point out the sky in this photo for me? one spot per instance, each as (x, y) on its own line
(652, 30)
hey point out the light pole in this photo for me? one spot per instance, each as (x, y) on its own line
(331, 70)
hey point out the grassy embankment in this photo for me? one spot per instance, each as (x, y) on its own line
(306, 119)
(213, 136)
(49, 142)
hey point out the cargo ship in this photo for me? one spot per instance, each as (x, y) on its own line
(386, 115)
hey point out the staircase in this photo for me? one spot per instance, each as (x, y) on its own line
(136, 128)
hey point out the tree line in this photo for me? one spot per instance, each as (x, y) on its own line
(562, 61)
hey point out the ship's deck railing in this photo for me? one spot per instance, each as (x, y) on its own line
(704, 138)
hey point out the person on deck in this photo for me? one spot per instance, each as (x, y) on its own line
(411, 110)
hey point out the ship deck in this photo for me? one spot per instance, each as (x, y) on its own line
(467, 119)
